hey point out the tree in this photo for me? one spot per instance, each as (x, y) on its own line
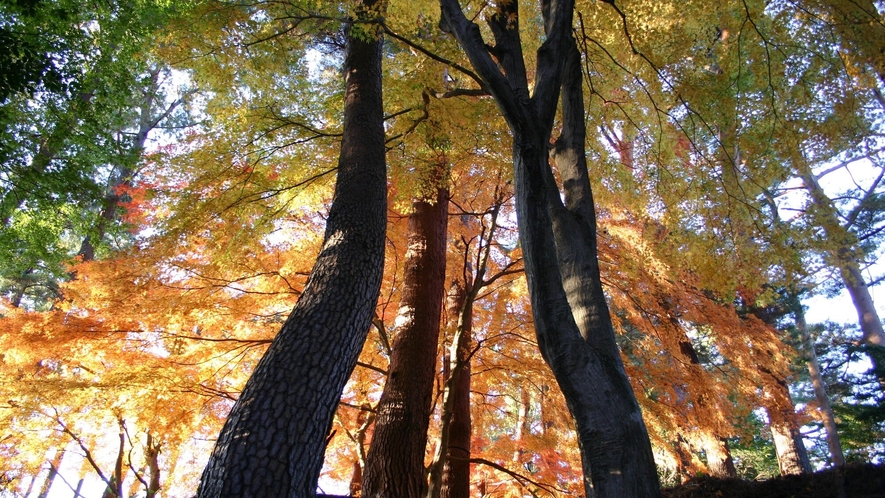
(395, 462)
(569, 309)
(275, 435)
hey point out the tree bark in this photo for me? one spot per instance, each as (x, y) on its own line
(574, 329)
(456, 470)
(114, 488)
(719, 461)
(395, 462)
(792, 457)
(817, 381)
(844, 257)
(274, 438)
(152, 456)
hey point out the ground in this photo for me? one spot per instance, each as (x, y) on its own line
(853, 481)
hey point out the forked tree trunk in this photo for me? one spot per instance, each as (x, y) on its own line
(574, 329)
(274, 438)
(395, 462)
(449, 472)
(122, 174)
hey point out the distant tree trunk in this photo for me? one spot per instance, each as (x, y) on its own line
(114, 487)
(395, 462)
(792, 457)
(274, 438)
(686, 465)
(719, 461)
(456, 471)
(148, 120)
(522, 425)
(449, 472)
(50, 477)
(574, 329)
(845, 259)
(820, 390)
(152, 456)
(356, 479)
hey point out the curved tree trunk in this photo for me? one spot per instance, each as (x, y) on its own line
(574, 329)
(274, 439)
(395, 462)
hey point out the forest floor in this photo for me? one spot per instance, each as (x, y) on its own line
(851, 481)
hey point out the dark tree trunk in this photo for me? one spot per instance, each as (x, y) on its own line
(456, 470)
(395, 462)
(574, 329)
(274, 438)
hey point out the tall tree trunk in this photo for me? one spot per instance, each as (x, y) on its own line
(274, 438)
(845, 258)
(715, 446)
(395, 462)
(449, 472)
(456, 470)
(522, 425)
(817, 381)
(574, 329)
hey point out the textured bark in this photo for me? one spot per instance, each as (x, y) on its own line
(395, 462)
(574, 329)
(274, 438)
(456, 470)
(820, 390)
